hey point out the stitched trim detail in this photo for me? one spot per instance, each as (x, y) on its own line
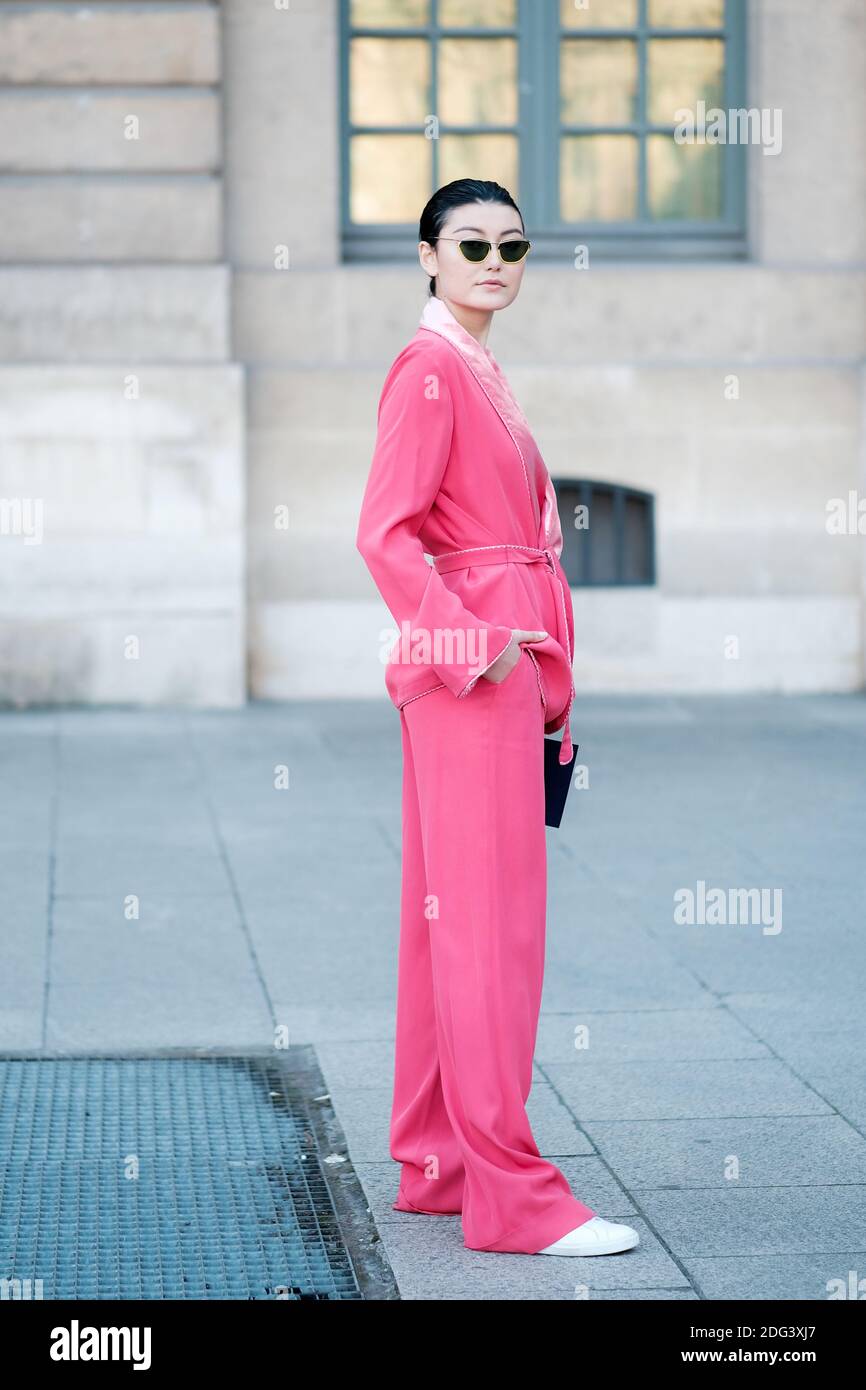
(502, 545)
(420, 696)
(466, 689)
(534, 661)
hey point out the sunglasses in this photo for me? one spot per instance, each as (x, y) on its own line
(510, 251)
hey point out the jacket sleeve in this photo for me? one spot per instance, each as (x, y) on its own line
(413, 444)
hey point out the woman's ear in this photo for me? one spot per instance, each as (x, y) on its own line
(427, 257)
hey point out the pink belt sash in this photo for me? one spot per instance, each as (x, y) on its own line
(520, 555)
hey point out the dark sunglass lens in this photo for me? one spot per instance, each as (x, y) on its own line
(475, 250)
(513, 250)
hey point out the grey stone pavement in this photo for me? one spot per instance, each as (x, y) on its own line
(720, 1105)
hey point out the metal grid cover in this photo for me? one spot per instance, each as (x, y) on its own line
(176, 1177)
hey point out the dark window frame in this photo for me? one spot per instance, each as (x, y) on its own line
(584, 488)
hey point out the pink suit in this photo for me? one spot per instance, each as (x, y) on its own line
(457, 475)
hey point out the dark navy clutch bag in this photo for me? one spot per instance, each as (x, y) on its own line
(557, 780)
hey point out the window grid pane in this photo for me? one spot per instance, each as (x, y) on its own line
(389, 81)
(389, 14)
(598, 82)
(680, 73)
(687, 14)
(478, 156)
(481, 14)
(406, 160)
(599, 14)
(477, 82)
(684, 181)
(599, 176)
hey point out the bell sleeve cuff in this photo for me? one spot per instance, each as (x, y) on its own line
(466, 689)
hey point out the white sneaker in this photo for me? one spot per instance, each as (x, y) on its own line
(595, 1237)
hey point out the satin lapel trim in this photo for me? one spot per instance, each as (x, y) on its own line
(551, 523)
(438, 318)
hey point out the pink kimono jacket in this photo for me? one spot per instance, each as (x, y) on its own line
(456, 474)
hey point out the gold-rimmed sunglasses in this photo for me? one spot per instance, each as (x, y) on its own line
(475, 251)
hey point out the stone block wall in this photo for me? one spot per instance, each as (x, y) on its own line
(122, 411)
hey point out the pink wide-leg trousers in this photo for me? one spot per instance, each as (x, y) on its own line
(471, 966)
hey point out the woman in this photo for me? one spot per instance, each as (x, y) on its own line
(480, 671)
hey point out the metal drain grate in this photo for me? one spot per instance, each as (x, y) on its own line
(164, 1178)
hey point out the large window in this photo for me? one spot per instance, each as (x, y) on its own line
(571, 104)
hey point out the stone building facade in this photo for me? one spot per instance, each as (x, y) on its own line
(190, 367)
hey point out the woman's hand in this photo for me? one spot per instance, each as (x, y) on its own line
(507, 660)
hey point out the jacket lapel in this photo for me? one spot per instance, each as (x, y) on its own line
(438, 318)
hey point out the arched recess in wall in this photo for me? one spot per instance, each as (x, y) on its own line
(608, 533)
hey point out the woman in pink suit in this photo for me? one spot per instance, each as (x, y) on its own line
(481, 669)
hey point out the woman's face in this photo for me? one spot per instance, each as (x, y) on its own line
(488, 284)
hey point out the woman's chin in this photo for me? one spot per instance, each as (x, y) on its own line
(487, 297)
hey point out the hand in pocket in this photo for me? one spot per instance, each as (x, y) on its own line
(507, 660)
